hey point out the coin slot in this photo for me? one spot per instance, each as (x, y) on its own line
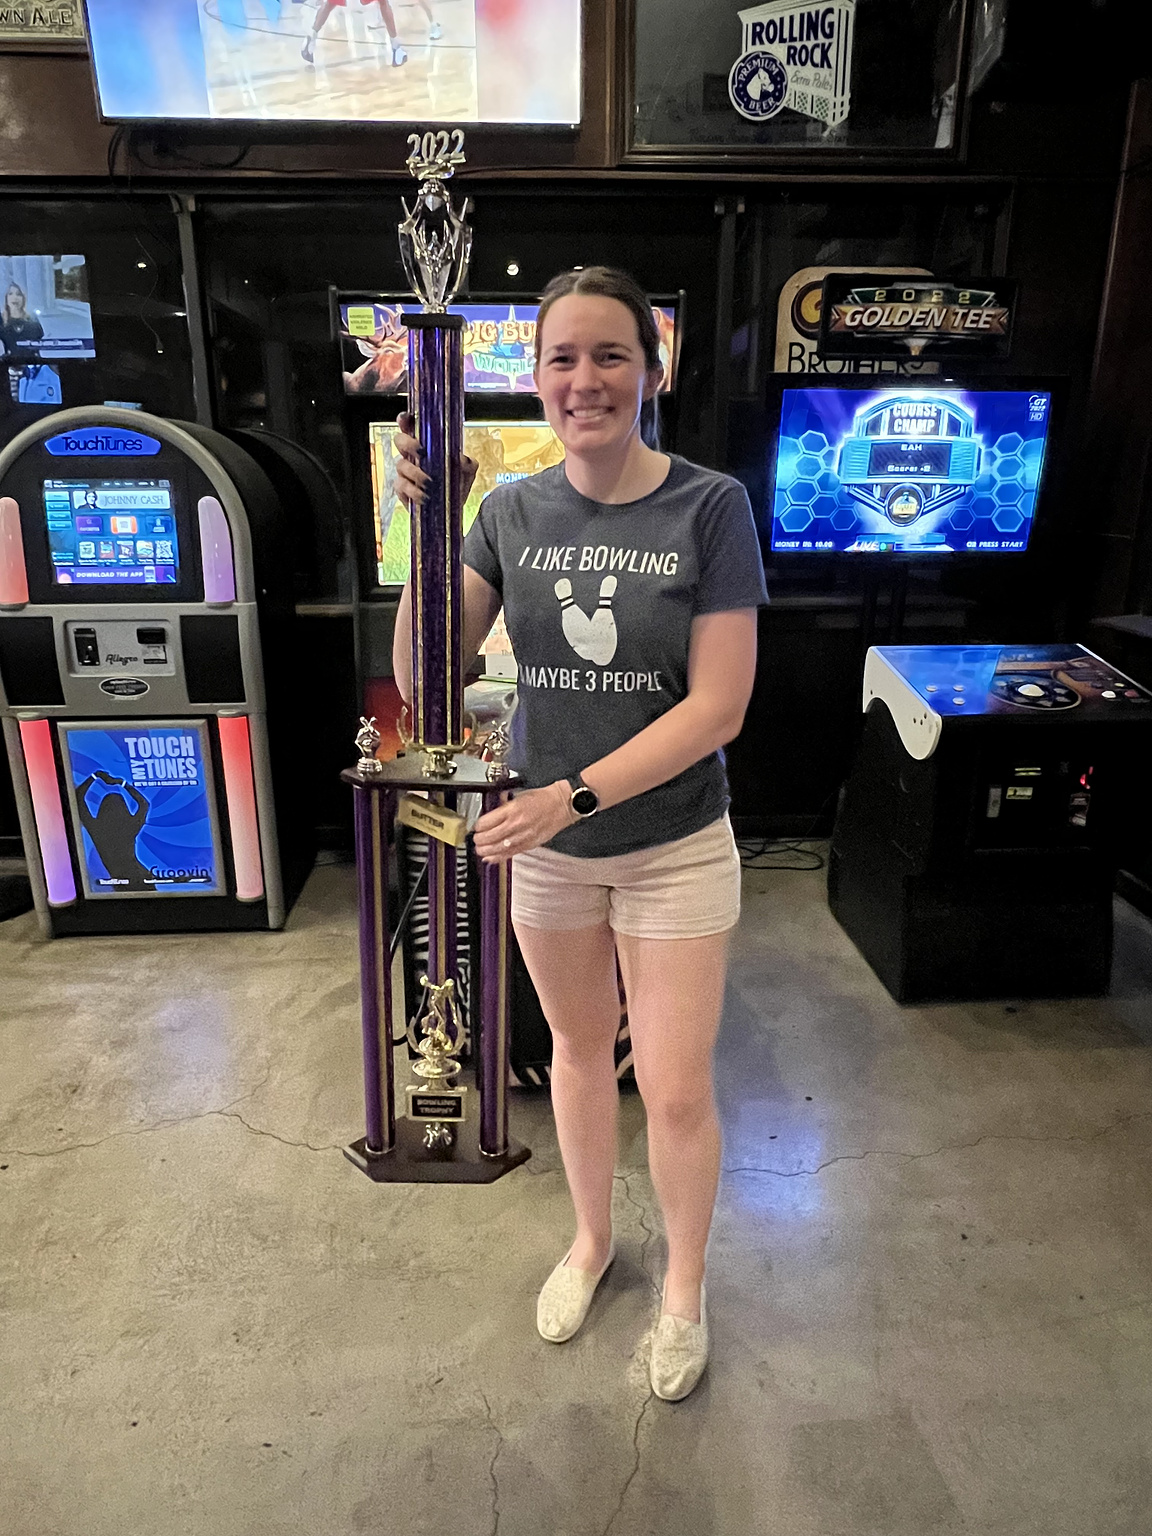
(87, 647)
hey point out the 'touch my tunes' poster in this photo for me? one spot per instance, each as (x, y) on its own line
(143, 808)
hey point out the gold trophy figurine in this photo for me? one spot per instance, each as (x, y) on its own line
(367, 741)
(496, 749)
(438, 1101)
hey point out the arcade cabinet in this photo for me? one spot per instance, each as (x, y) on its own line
(870, 489)
(994, 793)
(146, 676)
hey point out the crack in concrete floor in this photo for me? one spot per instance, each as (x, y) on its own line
(642, 1214)
(492, 1478)
(226, 1112)
(229, 1112)
(957, 1146)
(144, 1130)
(631, 1478)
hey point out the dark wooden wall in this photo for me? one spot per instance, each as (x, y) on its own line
(1116, 472)
(1052, 189)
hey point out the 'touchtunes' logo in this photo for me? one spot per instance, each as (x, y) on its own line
(797, 55)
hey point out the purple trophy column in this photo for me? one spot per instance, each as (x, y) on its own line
(436, 372)
(373, 816)
(442, 948)
(495, 972)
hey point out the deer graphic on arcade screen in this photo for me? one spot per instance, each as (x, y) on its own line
(387, 358)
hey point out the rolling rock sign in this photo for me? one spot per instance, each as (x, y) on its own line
(795, 55)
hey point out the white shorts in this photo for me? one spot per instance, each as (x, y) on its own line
(679, 890)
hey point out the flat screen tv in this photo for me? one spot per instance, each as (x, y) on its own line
(338, 61)
(504, 450)
(45, 315)
(903, 468)
(499, 343)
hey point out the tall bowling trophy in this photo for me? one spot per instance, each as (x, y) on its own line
(437, 1139)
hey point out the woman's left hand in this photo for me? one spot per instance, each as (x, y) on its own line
(526, 821)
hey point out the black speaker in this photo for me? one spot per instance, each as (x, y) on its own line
(28, 663)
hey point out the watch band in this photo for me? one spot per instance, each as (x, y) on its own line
(583, 798)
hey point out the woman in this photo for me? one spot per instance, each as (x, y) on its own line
(630, 581)
(17, 325)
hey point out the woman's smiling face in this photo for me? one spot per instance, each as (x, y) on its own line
(591, 374)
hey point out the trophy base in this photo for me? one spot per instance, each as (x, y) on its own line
(411, 1162)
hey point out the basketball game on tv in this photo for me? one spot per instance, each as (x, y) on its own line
(370, 61)
(908, 471)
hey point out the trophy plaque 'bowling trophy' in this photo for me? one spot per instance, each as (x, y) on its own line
(433, 1142)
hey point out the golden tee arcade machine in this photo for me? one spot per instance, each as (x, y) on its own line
(995, 792)
(996, 789)
(146, 630)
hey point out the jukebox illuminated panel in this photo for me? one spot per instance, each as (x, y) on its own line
(143, 808)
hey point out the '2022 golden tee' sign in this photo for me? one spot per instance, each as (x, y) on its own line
(861, 316)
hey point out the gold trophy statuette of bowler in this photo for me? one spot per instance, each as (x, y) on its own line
(438, 1100)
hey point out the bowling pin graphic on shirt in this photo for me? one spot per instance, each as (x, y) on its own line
(593, 639)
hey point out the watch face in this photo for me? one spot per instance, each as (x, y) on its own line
(584, 801)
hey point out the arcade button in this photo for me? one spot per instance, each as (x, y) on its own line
(959, 701)
(1107, 693)
(1031, 690)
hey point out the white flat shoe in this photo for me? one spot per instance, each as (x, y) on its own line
(565, 1298)
(679, 1353)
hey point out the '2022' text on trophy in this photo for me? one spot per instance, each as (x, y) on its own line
(420, 788)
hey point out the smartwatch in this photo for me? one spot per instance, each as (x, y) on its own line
(584, 801)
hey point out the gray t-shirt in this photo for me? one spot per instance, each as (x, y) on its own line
(599, 602)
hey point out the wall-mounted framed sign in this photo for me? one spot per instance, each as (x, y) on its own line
(55, 27)
(862, 315)
(796, 79)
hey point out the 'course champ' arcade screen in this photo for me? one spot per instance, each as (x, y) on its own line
(908, 471)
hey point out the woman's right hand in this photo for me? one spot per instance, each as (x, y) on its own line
(411, 481)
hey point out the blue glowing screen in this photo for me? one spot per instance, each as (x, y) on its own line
(144, 811)
(907, 470)
(111, 533)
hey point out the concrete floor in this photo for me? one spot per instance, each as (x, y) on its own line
(930, 1278)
